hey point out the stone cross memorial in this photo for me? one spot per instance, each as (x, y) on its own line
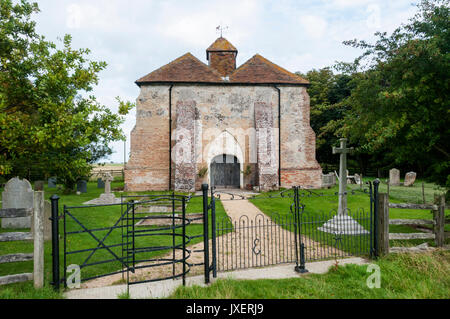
(342, 223)
(107, 197)
(343, 151)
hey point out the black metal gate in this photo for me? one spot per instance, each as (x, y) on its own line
(146, 239)
(293, 236)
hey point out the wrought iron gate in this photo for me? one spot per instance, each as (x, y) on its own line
(290, 236)
(146, 240)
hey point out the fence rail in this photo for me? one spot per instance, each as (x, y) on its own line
(36, 234)
(438, 222)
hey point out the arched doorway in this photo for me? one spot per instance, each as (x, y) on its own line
(225, 171)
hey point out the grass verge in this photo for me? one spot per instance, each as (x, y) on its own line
(403, 276)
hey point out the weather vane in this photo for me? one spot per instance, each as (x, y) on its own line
(220, 29)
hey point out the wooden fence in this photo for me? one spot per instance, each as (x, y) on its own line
(36, 234)
(383, 236)
(98, 173)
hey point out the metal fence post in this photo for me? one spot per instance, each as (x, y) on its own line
(205, 231)
(55, 241)
(376, 184)
(300, 267)
(371, 250)
(213, 230)
(183, 212)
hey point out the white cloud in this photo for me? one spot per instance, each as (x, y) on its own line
(314, 26)
(195, 23)
(349, 3)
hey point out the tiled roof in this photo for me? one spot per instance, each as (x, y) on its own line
(221, 44)
(260, 70)
(186, 68)
(189, 69)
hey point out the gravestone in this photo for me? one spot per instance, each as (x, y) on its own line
(358, 179)
(82, 186)
(410, 178)
(18, 193)
(342, 223)
(107, 197)
(52, 182)
(100, 183)
(328, 180)
(39, 185)
(394, 177)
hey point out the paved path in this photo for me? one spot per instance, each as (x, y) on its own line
(164, 289)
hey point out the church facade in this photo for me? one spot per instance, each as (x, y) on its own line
(213, 123)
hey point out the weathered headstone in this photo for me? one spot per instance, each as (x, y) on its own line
(82, 186)
(18, 193)
(410, 178)
(39, 185)
(358, 179)
(107, 197)
(100, 183)
(328, 180)
(394, 177)
(342, 223)
(52, 182)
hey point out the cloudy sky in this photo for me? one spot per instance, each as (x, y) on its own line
(136, 37)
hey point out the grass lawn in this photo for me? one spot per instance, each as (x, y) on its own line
(97, 217)
(410, 276)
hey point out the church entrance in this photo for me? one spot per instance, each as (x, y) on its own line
(225, 171)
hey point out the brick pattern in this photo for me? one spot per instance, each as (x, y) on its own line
(184, 150)
(266, 148)
(148, 166)
(307, 178)
(223, 62)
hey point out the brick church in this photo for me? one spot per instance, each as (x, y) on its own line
(245, 127)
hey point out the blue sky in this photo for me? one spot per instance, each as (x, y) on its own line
(136, 37)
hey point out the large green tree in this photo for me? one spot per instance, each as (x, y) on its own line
(327, 92)
(48, 121)
(400, 104)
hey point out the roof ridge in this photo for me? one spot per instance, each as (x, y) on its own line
(185, 57)
(221, 44)
(275, 67)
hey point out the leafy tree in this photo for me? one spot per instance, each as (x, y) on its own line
(327, 96)
(48, 120)
(400, 103)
